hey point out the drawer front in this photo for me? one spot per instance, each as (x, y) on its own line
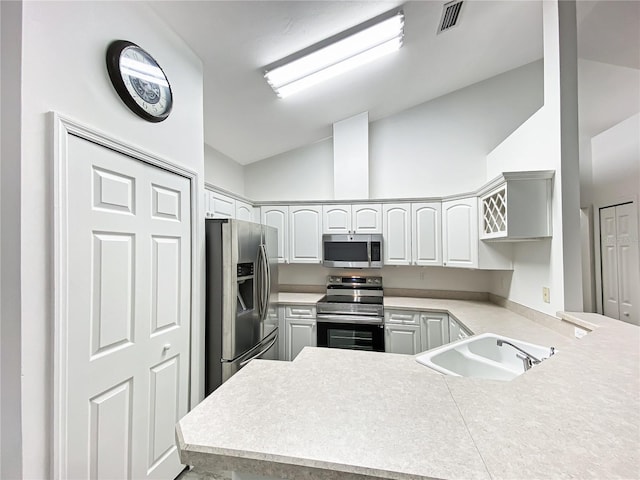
(401, 317)
(300, 311)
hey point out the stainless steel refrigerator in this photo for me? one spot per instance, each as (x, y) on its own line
(242, 280)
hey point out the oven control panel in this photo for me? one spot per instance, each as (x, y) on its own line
(354, 280)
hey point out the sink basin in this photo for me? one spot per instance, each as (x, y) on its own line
(481, 357)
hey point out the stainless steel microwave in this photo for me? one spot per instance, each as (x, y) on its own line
(352, 251)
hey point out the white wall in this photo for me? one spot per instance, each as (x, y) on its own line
(302, 174)
(64, 45)
(10, 287)
(420, 152)
(427, 278)
(439, 147)
(223, 171)
(615, 157)
(538, 145)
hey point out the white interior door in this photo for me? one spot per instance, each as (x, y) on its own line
(628, 265)
(129, 289)
(620, 263)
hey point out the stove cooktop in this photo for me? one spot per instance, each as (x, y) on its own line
(351, 299)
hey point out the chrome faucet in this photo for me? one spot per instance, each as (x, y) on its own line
(528, 360)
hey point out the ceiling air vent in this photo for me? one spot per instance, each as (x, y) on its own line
(450, 15)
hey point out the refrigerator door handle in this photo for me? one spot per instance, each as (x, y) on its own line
(268, 347)
(267, 280)
(263, 279)
(258, 277)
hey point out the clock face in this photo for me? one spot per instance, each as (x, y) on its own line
(139, 81)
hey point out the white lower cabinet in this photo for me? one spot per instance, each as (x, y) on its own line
(434, 330)
(412, 332)
(456, 331)
(299, 330)
(401, 332)
(399, 338)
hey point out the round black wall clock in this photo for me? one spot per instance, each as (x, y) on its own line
(139, 80)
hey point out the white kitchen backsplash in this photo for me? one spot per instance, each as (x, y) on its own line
(428, 278)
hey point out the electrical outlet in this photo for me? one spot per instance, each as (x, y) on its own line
(545, 295)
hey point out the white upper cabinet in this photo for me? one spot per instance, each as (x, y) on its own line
(461, 246)
(221, 206)
(460, 233)
(244, 211)
(396, 225)
(518, 208)
(426, 239)
(361, 218)
(305, 234)
(367, 218)
(278, 216)
(336, 219)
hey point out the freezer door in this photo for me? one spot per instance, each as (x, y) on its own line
(267, 349)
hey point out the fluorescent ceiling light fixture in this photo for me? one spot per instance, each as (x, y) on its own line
(336, 55)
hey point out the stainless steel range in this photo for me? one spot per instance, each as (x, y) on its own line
(351, 314)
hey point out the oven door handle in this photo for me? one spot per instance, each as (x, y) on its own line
(349, 319)
(334, 313)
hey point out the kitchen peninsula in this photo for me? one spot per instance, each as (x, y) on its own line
(354, 415)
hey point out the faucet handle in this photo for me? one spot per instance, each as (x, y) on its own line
(552, 351)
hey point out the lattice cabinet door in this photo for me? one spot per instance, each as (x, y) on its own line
(494, 214)
(517, 208)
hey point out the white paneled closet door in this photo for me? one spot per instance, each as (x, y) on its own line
(620, 262)
(129, 289)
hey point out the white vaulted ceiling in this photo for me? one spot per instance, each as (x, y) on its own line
(245, 120)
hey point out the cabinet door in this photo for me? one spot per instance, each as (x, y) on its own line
(402, 339)
(305, 234)
(367, 218)
(244, 211)
(460, 233)
(222, 206)
(277, 216)
(282, 334)
(207, 211)
(396, 224)
(434, 330)
(299, 334)
(426, 239)
(456, 331)
(336, 218)
(401, 316)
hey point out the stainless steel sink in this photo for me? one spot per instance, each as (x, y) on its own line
(481, 356)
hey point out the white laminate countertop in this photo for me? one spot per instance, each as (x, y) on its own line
(342, 414)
